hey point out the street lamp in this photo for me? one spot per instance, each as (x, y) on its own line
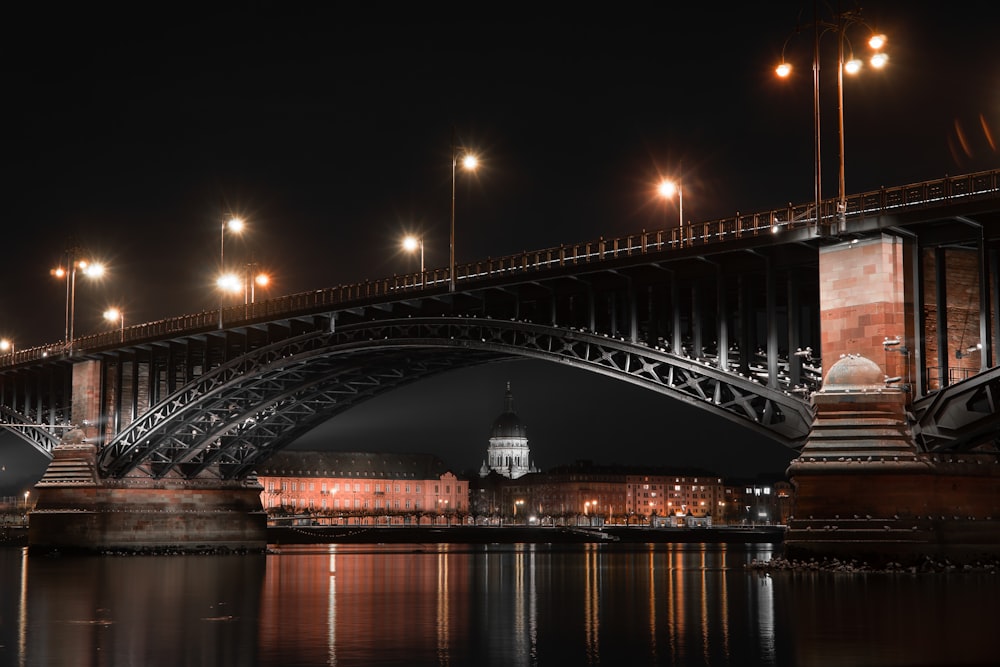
(844, 20)
(469, 163)
(116, 315)
(412, 243)
(234, 284)
(235, 225)
(667, 190)
(251, 280)
(68, 272)
(7, 347)
(516, 503)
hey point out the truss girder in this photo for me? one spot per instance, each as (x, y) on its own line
(961, 416)
(40, 437)
(232, 417)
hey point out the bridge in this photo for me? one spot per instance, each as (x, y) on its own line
(734, 316)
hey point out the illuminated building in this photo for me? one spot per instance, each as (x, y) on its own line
(362, 488)
(508, 452)
(677, 500)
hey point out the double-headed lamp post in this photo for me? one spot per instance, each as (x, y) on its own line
(233, 284)
(844, 21)
(116, 315)
(411, 244)
(68, 273)
(469, 162)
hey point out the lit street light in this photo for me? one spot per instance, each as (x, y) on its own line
(469, 163)
(7, 347)
(68, 272)
(116, 315)
(412, 243)
(844, 20)
(667, 190)
(234, 284)
(235, 225)
(253, 281)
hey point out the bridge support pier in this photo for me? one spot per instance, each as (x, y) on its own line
(864, 492)
(77, 512)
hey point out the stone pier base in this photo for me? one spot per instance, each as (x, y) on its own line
(863, 490)
(945, 508)
(76, 512)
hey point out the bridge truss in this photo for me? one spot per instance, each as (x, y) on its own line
(233, 417)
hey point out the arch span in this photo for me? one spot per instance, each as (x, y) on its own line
(40, 436)
(227, 420)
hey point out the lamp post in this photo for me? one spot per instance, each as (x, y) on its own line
(844, 20)
(68, 272)
(251, 279)
(667, 190)
(412, 243)
(235, 225)
(469, 163)
(116, 315)
(7, 347)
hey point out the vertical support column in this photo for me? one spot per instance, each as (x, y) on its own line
(746, 324)
(984, 304)
(771, 308)
(675, 307)
(696, 342)
(941, 298)
(794, 330)
(633, 314)
(917, 369)
(862, 297)
(994, 283)
(86, 411)
(722, 318)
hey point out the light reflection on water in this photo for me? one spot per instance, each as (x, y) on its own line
(591, 604)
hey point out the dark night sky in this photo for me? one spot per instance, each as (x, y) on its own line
(134, 133)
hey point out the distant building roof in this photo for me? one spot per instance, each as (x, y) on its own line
(362, 465)
(508, 424)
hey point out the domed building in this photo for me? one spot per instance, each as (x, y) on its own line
(508, 453)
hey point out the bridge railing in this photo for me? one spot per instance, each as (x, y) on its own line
(884, 200)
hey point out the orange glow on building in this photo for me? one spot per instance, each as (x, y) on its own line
(353, 488)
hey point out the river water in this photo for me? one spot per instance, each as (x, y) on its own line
(515, 604)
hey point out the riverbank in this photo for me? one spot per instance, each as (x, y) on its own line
(277, 535)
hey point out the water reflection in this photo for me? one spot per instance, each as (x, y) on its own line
(596, 604)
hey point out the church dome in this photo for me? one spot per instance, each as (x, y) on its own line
(508, 424)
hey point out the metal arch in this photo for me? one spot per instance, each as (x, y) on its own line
(239, 413)
(961, 416)
(222, 416)
(257, 423)
(39, 437)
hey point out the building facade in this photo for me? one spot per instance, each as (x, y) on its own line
(362, 488)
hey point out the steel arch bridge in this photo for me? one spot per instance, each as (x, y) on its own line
(712, 314)
(233, 417)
